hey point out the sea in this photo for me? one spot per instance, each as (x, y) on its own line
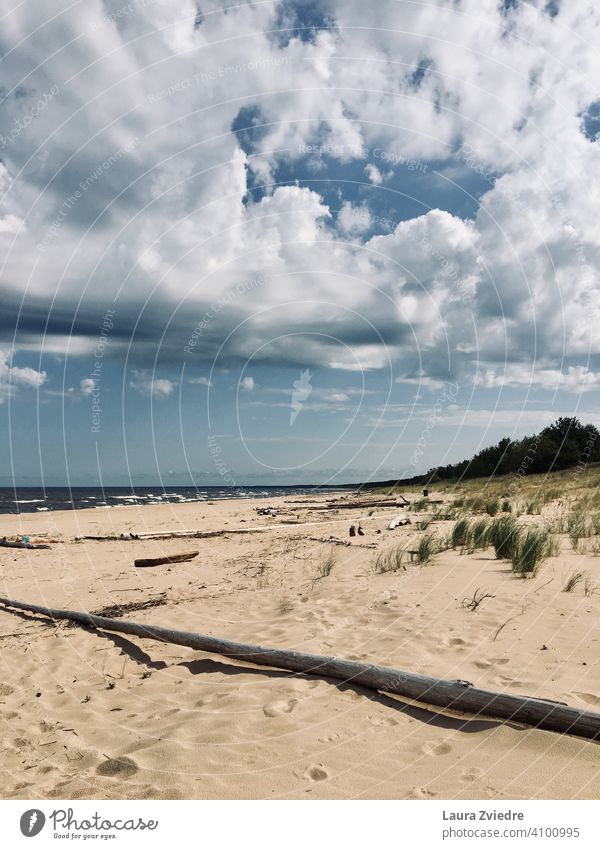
(42, 499)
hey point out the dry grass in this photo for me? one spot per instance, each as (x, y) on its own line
(572, 581)
(390, 560)
(325, 567)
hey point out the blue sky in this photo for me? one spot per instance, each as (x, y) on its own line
(293, 242)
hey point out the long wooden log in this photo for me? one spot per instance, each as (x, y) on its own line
(170, 558)
(9, 543)
(456, 695)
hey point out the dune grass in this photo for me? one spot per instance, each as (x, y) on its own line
(325, 567)
(477, 538)
(572, 581)
(389, 560)
(429, 544)
(578, 528)
(460, 533)
(503, 534)
(532, 547)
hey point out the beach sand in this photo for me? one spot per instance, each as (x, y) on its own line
(85, 714)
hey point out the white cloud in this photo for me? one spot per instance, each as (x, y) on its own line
(200, 381)
(373, 174)
(575, 379)
(87, 386)
(159, 388)
(354, 220)
(337, 397)
(14, 377)
(247, 384)
(176, 225)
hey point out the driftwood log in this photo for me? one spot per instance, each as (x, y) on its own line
(456, 695)
(357, 505)
(172, 558)
(19, 543)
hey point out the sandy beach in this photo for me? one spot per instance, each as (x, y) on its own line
(97, 715)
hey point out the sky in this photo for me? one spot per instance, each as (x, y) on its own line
(293, 242)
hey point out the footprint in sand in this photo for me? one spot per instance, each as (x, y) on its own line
(117, 767)
(589, 698)
(379, 721)
(471, 774)
(279, 708)
(6, 690)
(434, 749)
(487, 664)
(316, 772)
(420, 793)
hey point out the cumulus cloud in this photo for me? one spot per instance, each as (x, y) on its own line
(374, 175)
(247, 384)
(575, 379)
(154, 387)
(147, 196)
(14, 377)
(87, 386)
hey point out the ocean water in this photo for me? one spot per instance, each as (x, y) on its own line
(42, 499)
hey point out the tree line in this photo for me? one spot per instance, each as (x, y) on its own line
(562, 445)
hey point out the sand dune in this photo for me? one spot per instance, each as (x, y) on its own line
(84, 714)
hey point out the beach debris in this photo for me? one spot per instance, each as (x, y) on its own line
(266, 511)
(360, 505)
(398, 521)
(352, 530)
(21, 543)
(333, 540)
(116, 610)
(454, 694)
(172, 558)
(478, 597)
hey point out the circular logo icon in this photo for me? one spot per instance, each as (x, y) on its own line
(32, 822)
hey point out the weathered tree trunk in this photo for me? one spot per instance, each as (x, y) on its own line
(9, 543)
(172, 558)
(456, 695)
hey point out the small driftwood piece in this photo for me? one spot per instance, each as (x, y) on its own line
(398, 521)
(455, 695)
(19, 543)
(172, 558)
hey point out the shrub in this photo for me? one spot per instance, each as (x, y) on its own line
(492, 506)
(506, 508)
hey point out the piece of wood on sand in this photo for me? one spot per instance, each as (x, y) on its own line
(171, 558)
(398, 521)
(19, 543)
(454, 695)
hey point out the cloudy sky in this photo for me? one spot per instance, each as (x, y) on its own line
(293, 241)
